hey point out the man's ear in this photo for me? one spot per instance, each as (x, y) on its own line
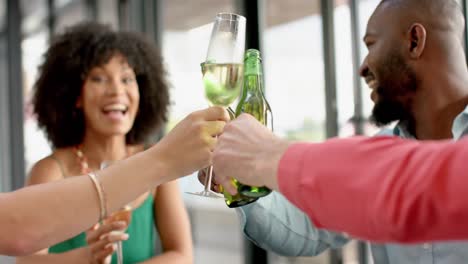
(416, 40)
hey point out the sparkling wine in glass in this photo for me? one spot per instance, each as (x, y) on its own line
(223, 70)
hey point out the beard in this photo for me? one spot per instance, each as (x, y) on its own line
(397, 86)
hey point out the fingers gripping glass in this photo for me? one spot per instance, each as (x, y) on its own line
(223, 70)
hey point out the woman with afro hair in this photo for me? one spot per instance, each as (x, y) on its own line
(99, 96)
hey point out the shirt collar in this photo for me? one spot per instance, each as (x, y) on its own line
(459, 127)
(460, 124)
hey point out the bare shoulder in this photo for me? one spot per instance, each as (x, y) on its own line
(47, 169)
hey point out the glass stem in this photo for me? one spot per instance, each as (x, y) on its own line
(119, 253)
(208, 183)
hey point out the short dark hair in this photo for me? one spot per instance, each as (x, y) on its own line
(68, 61)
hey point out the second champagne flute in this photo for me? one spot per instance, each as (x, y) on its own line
(223, 69)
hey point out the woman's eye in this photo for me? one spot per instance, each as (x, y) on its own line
(128, 80)
(98, 79)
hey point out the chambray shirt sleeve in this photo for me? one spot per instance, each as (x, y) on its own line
(273, 223)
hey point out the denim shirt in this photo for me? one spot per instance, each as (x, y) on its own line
(274, 224)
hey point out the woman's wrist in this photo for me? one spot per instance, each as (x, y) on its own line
(158, 167)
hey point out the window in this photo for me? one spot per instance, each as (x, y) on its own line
(294, 70)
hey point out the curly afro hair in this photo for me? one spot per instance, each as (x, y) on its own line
(68, 61)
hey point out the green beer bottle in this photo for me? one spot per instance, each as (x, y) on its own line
(233, 201)
(253, 102)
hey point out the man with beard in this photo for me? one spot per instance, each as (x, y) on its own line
(417, 72)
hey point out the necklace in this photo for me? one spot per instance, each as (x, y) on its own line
(82, 160)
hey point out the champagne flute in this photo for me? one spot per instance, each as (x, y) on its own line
(223, 70)
(124, 214)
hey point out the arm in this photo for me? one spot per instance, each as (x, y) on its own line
(381, 188)
(72, 257)
(274, 224)
(100, 246)
(42, 215)
(48, 170)
(173, 224)
(36, 217)
(385, 189)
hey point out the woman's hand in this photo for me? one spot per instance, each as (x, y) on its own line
(101, 241)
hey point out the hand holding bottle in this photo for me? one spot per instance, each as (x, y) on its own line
(248, 152)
